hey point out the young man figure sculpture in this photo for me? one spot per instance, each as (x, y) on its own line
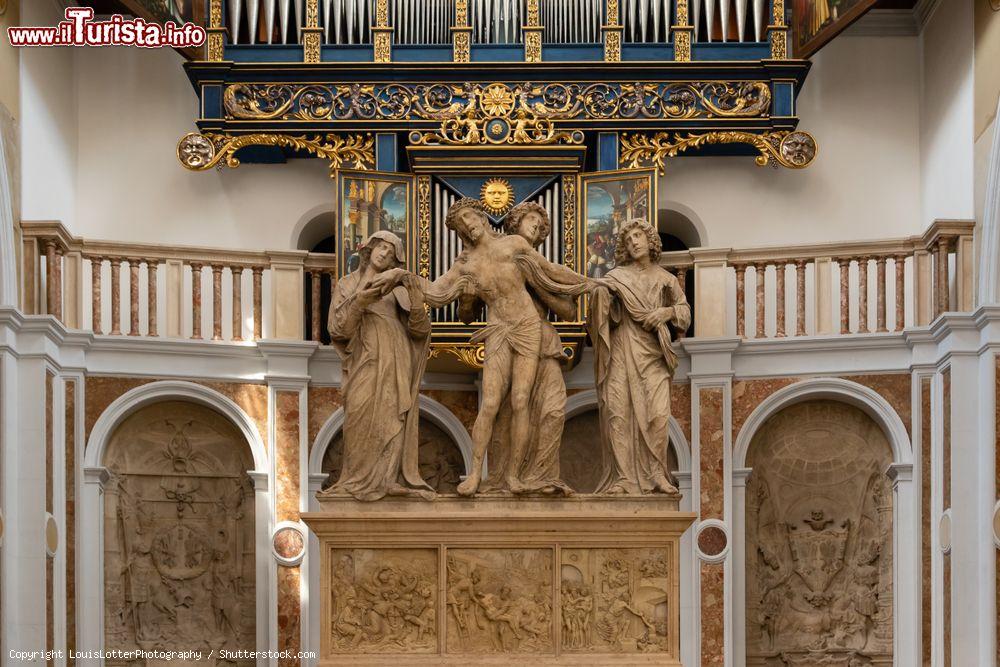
(493, 268)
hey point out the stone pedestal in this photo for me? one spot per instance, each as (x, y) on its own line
(500, 580)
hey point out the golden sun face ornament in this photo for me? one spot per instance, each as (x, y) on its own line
(497, 195)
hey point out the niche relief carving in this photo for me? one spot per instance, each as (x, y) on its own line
(819, 539)
(499, 600)
(440, 459)
(615, 600)
(383, 601)
(179, 568)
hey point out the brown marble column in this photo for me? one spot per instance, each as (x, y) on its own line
(257, 300)
(682, 274)
(844, 265)
(760, 270)
(779, 302)
(900, 266)
(863, 295)
(216, 302)
(151, 327)
(116, 296)
(941, 276)
(800, 297)
(314, 305)
(741, 315)
(57, 304)
(196, 300)
(880, 290)
(710, 504)
(133, 296)
(96, 266)
(237, 302)
(287, 509)
(50, 275)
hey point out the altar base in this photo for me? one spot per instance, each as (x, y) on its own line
(500, 580)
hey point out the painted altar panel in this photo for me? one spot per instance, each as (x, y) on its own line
(610, 199)
(368, 202)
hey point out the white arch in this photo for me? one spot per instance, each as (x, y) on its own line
(164, 390)
(440, 415)
(837, 389)
(692, 217)
(303, 223)
(587, 400)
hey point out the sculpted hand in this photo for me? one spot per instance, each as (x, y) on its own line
(369, 295)
(593, 284)
(387, 280)
(657, 317)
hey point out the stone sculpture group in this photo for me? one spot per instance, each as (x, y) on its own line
(380, 326)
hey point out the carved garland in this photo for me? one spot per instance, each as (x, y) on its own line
(472, 356)
(794, 150)
(201, 152)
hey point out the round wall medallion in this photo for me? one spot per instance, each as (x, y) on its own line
(712, 540)
(944, 531)
(289, 543)
(996, 525)
(51, 535)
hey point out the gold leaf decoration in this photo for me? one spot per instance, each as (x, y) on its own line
(200, 152)
(790, 149)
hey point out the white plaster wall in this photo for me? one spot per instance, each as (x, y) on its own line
(946, 112)
(860, 102)
(49, 122)
(134, 105)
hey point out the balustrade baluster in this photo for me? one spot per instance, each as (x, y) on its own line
(760, 270)
(151, 268)
(133, 296)
(779, 274)
(900, 265)
(196, 300)
(845, 294)
(314, 278)
(258, 273)
(881, 301)
(941, 277)
(800, 297)
(96, 266)
(52, 282)
(682, 274)
(863, 295)
(740, 300)
(57, 309)
(216, 302)
(237, 302)
(116, 296)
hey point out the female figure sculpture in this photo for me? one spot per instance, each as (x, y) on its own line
(383, 337)
(634, 362)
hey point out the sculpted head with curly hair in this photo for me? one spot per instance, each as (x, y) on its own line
(530, 221)
(623, 253)
(468, 219)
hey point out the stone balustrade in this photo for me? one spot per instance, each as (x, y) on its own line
(178, 292)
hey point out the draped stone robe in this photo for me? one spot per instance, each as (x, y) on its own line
(384, 359)
(633, 368)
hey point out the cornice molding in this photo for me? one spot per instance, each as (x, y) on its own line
(885, 23)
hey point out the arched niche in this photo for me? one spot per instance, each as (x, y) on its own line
(179, 554)
(315, 231)
(442, 463)
(580, 455)
(819, 537)
(680, 227)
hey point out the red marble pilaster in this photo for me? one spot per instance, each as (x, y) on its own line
(946, 499)
(711, 480)
(50, 626)
(70, 528)
(287, 496)
(925, 518)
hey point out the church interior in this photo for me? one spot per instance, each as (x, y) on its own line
(501, 332)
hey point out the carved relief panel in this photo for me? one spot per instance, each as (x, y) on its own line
(383, 601)
(499, 600)
(441, 462)
(615, 600)
(819, 539)
(179, 570)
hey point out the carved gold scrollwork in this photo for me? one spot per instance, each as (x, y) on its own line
(424, 225)
(554, 101)
(200, 152)
(794, 150)
(472, 356)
